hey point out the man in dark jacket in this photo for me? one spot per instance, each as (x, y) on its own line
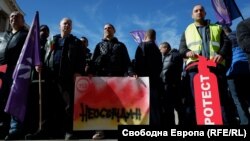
(243, 38)
(110, 58)
(148, 63)
(64, 61)
(171, 77)
(37, 88)
(87, 51)
(10, 49)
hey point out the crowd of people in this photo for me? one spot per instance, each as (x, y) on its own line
(171, 74)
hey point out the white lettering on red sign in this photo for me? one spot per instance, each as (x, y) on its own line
(206, 99)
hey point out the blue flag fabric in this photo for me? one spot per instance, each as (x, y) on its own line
(29, 57)
(138, 35)
(225, 11)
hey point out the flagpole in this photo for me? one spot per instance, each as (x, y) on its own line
(40, 101)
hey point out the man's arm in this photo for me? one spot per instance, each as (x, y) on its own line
(183, 49)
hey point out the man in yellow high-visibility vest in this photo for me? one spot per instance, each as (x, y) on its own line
(208, 40)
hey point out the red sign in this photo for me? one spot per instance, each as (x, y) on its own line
(2, 70)
(207, 100)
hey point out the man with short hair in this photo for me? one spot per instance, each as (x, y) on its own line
(63, 62)
(208, 40)
(110, 58)
(148, 63)
(37, 92)
(243, 38)
(87, 51)
(171, 76)
(10, 49)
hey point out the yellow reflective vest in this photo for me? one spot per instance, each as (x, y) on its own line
(194, 41)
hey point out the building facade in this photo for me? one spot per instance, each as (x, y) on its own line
(6, 7)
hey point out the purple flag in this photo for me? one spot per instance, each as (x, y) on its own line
(225, 11)
(233, 9)
(29, 57)
(138, 35)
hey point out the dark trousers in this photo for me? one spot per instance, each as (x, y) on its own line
(239, 89)
(57, 114)
(5, 118)
(171, 101)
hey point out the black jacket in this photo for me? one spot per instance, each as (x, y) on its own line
(11, 46)
(71, 61)
(172, 67)
(148, 61)
(110, 58)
